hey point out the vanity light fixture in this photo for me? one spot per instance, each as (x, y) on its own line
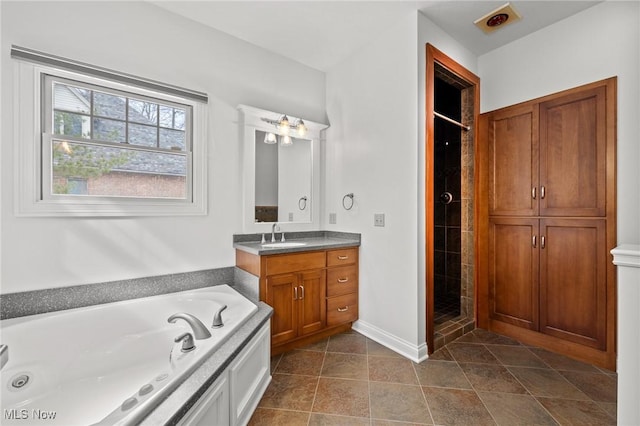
(285, 140)
(284, 126)
(301, 128)
(270, 138)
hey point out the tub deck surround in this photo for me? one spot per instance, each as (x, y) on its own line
(35, 302)
(45, 355)
(312, 240)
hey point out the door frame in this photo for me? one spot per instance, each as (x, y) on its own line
(433, 57)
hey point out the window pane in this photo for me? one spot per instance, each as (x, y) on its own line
(143, 112)
(119, 172)
(70, 124)
(172, 139)
(172, 118)
(106, 105)
(108, 130)
(71, 98)
(143, 135)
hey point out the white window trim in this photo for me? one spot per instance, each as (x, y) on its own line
(28, 156)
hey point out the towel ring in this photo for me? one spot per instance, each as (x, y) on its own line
(345, 202)
(302, 203)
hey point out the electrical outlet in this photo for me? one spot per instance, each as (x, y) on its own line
(332, 219)
(290, 217)
(378, 219)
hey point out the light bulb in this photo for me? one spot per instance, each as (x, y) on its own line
(302, 129)
(270, 138)
(283, 125)
(285, 140)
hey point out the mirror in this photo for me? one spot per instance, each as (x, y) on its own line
(280, 183)
(283, 180)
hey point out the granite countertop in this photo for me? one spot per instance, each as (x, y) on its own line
(298, 242)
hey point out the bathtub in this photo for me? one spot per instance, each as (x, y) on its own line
(108, 364)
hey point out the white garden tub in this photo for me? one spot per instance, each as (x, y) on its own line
(79, 366)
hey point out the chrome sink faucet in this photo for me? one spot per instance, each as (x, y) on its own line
(217, 317)
(200, 331)
(274, 227)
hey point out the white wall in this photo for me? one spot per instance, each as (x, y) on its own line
(141, 39)
(375, 149)
(601, 42)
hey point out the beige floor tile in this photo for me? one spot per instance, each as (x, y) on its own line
(375, 348)
(345, 366)
(516, 356)
(456, 407)
(514, 410)
(392, 401)
(291, 392)
(546, 383)
(348, 343)
(320, 346)
(270, 417)
(467, 352)
(442, 354)
(342, 397)
(318, 419)
(482, 336)
(444, 374)
(393, 370)
(599, 387)
(301, 362)
(571, 412)
(492, 378)
(561, 362)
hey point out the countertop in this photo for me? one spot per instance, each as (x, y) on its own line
(310, 244)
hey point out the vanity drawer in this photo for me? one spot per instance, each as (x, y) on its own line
(342, 280)
(342, 257)
(342, 309)
(294, 262)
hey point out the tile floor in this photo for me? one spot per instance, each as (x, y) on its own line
(479, 379)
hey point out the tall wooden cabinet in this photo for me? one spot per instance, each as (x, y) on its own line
(549, 166)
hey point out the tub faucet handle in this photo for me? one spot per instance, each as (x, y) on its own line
(199, 330)
(217, 318)
(187, 342)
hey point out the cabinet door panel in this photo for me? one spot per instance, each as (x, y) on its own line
(572, 154)
(311, 305)
(513, 161)
(280, 295)
(573, 280)
(513, 271)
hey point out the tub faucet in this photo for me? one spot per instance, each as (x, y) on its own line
(217, 318)
(200, 331)
(273, 231)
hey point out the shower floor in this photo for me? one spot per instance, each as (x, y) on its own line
(446, 309)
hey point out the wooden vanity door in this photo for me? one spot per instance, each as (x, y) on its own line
(281, 292)
(312, 310)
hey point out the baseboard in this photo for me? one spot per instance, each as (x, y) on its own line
(396, 344)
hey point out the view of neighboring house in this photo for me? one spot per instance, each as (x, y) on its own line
(151, 161)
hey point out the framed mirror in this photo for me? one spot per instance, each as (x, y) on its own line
(280, 175)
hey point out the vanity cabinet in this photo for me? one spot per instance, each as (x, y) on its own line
(313, 294)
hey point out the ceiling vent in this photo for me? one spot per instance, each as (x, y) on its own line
(498, 18)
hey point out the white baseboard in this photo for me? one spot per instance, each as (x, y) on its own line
(396, 344)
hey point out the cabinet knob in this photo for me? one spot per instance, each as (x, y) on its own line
(345, 309)
(295, 293)
(542, 192)
(542, 242)
(302, 291)
(343, 280)
(343, 257)
(533, 192)
(534, 241)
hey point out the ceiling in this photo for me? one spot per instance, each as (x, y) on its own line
(321, 34)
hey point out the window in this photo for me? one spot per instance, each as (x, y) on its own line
(102, 147)
(121, 144)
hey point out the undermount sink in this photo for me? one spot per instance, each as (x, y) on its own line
(286, 244)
